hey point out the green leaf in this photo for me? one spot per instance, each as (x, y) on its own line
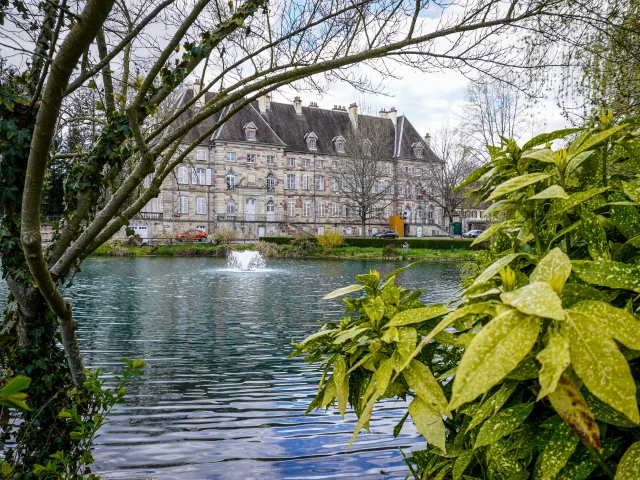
(492, 354)
(573, 293)
(339, 369)
(343, 291)
(494, 229)
(607, 273)
(599, 138)
(329, 393)
(554, 269)
(554, 191)
(342, 393)
(401, 269)
(421, 380)
(629, 465)
(545, 155)
(537, 298)
(631, 190)
(595, 236)
(383, 375)
(475, 175)
(429, 423)
(349, 334)
(555, 359)
(15, 385)
(495, 267)
(561, 206)
(549, 137)
(416, 315)
(407, 339)
(493, 404)
(92, 85)
(574, 161)
(599, 364)
(374, 310)
(517, 183)
(618, 323)
(555, 455)
(502, 424)
(568, 401)
(364, 418)
(625, 218)
(461, 464)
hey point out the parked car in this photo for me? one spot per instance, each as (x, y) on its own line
(472, 234)
(386, 234)
(192, 235)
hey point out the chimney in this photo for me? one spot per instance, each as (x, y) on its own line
(197, 81)
(335, 107)
(264, 103)
(297, 104)
(393, 115)
(427, 140)
(382, 113)
(313, 105)
(353, 115)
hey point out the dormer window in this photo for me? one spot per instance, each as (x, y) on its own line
(250, 130)
(312, 141)
(418, 149)
(339, 143)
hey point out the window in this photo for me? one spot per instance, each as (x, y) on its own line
(201, 206)
(291, 162)
(198, 176)
(291, 182)
(319, 163)
(306, 209)
(418, 151)
(419, 213)
(335, 209)
(335, 184)
(418, 172)
(271, 159)
(250, 131)
(271, 207)
(334, 164)
(271, 182)
(305, 182)
(231, 180)
(321, 209)
(366, 147)
(251, 158)
(231, 207)
(430, 212)
(201, 155)
(183, 175)
(340, 147)
(306, 162)
(291, 209)
(311, 143)
(146, 183)
(320, 182)
(231, 156)
(183, 205)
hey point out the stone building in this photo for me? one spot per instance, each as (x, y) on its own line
(274, 168)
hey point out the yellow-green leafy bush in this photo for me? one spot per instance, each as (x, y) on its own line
(532, 373)
(330, 240)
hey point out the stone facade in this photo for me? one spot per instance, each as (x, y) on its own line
(273, 169)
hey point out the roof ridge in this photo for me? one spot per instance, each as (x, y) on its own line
(267, 123)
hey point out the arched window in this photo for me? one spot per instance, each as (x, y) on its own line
(271, 182)
(430, 212)
(231, 207)
(407, 213)
(419, 213)
(271, 206)
(231, 180)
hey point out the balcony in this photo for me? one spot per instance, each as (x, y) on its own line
(252, 217)
(149, 216)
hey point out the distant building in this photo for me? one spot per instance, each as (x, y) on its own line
(272, 169)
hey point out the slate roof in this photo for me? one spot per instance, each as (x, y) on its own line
(281, 126)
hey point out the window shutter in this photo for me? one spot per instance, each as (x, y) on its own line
(201, 206)
(208, 176)
(194, 176)
(182, 175)
(297, 182)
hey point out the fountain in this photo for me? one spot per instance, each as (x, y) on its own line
(245, 261)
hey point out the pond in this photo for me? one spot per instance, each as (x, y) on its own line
(219, 398)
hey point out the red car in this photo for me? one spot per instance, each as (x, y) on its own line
(192, 235)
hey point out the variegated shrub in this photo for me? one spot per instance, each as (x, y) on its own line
(533, 372)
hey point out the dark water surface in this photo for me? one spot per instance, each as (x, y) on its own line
(219, 399)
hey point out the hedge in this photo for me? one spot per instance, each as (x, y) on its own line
(439, 243)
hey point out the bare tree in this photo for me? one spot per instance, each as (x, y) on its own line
(242, 50)
(457, 163)
(493, 110)
(366, 170)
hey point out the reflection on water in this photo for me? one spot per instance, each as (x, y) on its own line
(219, 399)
